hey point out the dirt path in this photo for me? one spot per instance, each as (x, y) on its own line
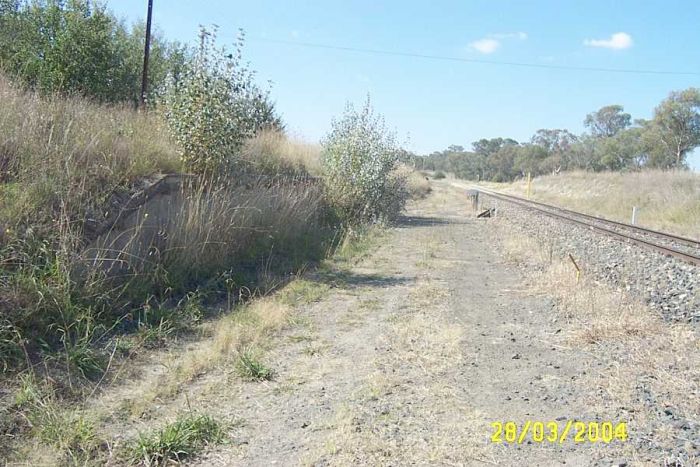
(408, 360)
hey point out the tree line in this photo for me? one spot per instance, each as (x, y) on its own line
(79, 47)
(613, 142)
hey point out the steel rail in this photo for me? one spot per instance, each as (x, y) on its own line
(556, 212)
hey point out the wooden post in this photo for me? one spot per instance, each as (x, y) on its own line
(146, 54)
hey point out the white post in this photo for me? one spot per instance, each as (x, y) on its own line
(634, 215)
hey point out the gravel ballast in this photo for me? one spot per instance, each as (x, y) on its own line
(668, 285)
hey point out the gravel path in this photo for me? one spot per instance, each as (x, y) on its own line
(409, 358)
(431, 340)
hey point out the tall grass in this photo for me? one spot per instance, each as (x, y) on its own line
(217, 235)
(272, 152)
(67, 155)
(67, 163)
(668, 200)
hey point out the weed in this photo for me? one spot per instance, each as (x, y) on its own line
(302, 292)
(249, 366)
(301, 338)
(315, 350)
(64, 429)
(154, 336)
(10, 346)
(183, 438)
(358, 243)
(78, 338)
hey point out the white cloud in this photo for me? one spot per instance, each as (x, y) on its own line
(509, 35)
(618, 41)
(485, 46)
(492, 42)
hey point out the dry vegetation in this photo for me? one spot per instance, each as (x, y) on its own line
(668, 200)
(64, 156)
(67, 164)
(638, 363)
(79, 305)
(272, 152)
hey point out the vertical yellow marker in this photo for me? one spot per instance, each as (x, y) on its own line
(529, 185)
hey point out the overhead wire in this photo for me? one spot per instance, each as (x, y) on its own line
(471, 60)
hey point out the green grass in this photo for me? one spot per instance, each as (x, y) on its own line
(184, 438)
(10, 346)
(69, 432)
(250, 367)
(302, 292)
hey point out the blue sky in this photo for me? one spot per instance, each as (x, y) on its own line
(430, 103)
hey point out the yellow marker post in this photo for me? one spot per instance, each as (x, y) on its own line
(529, 185)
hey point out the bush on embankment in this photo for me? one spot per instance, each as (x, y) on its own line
(64, 163)
(360, 159)
(258, 205)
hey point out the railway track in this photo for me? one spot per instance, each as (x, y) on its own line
(685, 249)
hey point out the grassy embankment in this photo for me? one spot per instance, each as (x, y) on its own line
(667, 200)
(66, 164)
(69, 326)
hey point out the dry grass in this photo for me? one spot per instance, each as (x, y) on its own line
(374, 427)
(202, 232)
(65, 162)
(669, 200)
(417, 184)
(243, 332)
(274, 153)
(69, 154)
(647, 363)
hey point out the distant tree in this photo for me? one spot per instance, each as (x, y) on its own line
(676, 125)
(487, 147)
(554, 141)
(607, 121)
(501, 164)
(529, 159)
(582, 154)
(624, 150)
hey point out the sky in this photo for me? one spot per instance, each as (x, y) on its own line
(432, 103)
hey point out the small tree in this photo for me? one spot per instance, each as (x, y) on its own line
(359, 158)
(214, 105)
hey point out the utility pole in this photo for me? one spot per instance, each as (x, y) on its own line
(146, 53)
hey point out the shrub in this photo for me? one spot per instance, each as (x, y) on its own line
(359, 156)
(439, 175)
(214, 105)
(250, 367)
